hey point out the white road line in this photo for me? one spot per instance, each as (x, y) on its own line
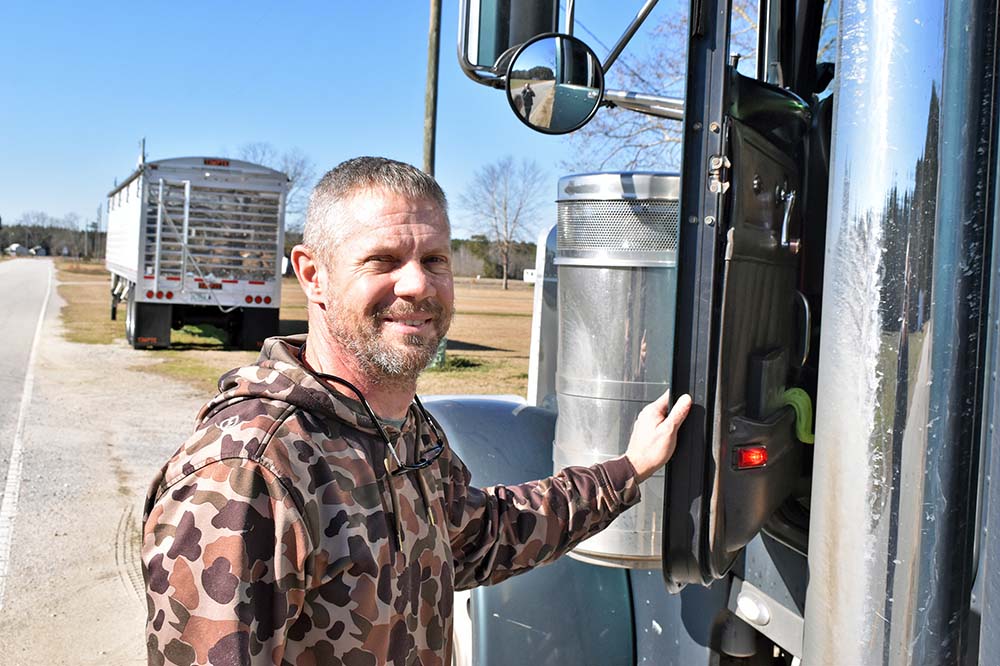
(8, 509)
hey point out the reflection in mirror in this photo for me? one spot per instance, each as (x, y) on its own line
(555, 84)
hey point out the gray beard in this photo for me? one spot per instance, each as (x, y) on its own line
(383, 363)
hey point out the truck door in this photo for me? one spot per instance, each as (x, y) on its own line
(743, 322)
(749, 264)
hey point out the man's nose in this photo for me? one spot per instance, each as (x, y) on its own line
(413, 281)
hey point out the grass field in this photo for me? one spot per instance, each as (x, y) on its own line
(487, 345)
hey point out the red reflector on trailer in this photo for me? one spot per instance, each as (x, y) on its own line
(748, 457)
(255, 281)
(170, 295)
(267, 299)
(257, 299)
(149, 294)
(249, 299)
(159, 294)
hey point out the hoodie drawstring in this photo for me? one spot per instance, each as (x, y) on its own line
(422, 488)
(396, 526)
(425, 495)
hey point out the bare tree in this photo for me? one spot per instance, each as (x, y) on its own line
(622, 139)
(37, 218)
(293, 163)
(503, 199)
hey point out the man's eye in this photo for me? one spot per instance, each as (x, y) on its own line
(436, 262)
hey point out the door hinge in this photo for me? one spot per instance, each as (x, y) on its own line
(718, 174)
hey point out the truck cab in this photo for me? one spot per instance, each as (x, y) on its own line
(830, 253)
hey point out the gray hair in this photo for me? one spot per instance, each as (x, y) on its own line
(328, 220)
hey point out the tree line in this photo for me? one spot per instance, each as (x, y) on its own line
(68, 235)
(471, 257)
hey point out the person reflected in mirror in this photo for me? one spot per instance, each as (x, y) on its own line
(527, 100)
(317, 514)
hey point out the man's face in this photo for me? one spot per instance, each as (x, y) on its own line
(392, 295)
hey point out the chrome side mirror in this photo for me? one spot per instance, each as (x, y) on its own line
(489, 30)
(554, 83)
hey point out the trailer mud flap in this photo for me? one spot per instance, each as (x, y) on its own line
(150, 325)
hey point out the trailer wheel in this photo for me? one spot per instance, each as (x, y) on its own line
(252, 326)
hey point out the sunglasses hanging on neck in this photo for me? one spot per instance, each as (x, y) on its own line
(426, 458)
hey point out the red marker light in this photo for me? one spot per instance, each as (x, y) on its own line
(267, 299)
(748, 457)
(257, 299)
(249, 299)
(159, 294)
(150, 294)
(170, 295)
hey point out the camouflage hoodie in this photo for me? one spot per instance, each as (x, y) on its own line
(275, 535)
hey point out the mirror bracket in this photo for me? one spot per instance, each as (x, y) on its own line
(630, 31)
(651, 105)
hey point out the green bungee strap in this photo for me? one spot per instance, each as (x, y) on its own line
(802, 404)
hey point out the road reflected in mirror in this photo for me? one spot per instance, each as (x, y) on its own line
(555, 84)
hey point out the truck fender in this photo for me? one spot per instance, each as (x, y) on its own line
(565, 613)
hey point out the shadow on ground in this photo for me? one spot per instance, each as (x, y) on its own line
(458, 345)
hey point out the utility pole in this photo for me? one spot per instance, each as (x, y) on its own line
(430, 123)
(430, 98)
(98, 247)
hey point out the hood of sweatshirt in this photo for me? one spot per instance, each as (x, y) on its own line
(279, 375)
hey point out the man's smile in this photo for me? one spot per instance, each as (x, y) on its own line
(408, 325)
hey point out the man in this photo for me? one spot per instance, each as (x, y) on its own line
(527, 100)
(316, 515)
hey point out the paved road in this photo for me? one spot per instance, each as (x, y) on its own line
(96, 429)
(23, 289)
(25, 286)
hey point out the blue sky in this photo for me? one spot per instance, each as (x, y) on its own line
(82, 83)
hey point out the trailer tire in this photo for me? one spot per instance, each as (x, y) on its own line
(252, 326)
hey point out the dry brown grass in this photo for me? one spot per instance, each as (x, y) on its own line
(487, 345)
(86, 288)
(488, 342)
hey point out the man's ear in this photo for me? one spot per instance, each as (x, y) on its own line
(311, 273)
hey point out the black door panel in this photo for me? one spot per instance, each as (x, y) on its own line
(753, 335)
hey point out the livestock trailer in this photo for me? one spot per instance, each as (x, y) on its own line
(197, 240)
